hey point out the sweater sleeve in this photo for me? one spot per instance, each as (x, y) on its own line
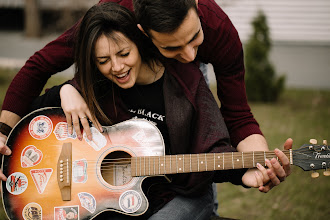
(223, 49)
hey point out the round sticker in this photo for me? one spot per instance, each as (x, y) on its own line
(16, 183)
(40, 127)
(32, 211)
(130, 201)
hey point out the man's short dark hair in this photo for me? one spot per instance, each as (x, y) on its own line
(163, 16)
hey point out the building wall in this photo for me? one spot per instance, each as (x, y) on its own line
(300, 31)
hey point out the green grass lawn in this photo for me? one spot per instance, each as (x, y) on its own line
(299, 114)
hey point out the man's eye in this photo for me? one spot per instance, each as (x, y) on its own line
(172, 48)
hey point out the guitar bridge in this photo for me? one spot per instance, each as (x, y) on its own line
(64, 171)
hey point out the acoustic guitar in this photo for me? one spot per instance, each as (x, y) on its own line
(53, 175)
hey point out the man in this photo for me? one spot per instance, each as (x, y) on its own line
(186, 30)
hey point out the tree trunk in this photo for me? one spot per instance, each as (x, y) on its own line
(32, 18)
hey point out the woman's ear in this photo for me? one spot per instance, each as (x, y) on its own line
(141, 29)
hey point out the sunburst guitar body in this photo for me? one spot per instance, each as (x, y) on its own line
(53, 175)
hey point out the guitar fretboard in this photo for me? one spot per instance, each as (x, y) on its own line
(187, 163)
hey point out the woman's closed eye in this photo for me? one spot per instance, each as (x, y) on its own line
(103, 61)
(124, 54)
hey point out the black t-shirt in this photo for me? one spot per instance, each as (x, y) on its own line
(147, 102)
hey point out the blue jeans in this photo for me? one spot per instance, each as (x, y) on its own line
(190, 208)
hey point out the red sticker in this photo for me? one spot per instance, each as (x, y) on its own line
(30, 156)
(40, 127)
(41, 177)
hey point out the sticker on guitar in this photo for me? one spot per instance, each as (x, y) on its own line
(30, 156)
(41, 177)
(87, 201)
(98, 141)
(40, 127)
(16, 183)
(130, 201)
(32, 211)
(61, 132)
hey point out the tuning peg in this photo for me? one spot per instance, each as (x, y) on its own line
(313, 141)
(326, 173)
(315, 174)
(325, 142)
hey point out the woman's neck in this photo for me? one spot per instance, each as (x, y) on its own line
(149, 74)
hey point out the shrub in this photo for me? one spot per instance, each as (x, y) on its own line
(262, 84)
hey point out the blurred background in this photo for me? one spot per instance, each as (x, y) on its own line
(299, 51)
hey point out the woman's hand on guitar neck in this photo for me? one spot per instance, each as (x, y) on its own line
(76, 112)
(266, 178)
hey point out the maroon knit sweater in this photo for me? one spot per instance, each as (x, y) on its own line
(221, 47)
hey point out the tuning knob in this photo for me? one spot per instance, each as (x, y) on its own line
(325, 142)
(315, 174)
(326, 173)
(313, 141)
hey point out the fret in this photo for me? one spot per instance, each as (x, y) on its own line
(254, 163)
(205, 163)
(218, 166)
(214, 161)
(149, 165)
(159, 165)
(198, 162)
(140, 166)
(237, 159)
(144, 168)
(183, 163)
(223, 161)
(164, 164)
(176, 158)
(232, 159)
(180, 164)
(170, 163)
(136, 167)
(265, 158)
(243, 160)
(190, 163)
(154, 166)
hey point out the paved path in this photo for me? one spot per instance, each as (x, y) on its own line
(16, 49)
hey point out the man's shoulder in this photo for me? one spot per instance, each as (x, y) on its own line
(210, 12)
(126, 3)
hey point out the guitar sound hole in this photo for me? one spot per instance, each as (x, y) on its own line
(116, 168)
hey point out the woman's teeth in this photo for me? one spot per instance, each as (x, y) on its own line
(122, 75)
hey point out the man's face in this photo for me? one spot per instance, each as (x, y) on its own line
(182, 44)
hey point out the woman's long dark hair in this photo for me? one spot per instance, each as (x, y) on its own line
(105, 18)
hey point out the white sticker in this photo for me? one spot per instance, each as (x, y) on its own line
(16, 183)
(41, 177)
(98, 141)
(30, 156)
(40, 127)
(61, 131)
(32, 211)
(87, 201)
(130, 201)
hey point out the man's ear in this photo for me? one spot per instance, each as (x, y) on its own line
(141, 29)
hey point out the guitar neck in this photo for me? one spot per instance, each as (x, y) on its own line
(187, 163)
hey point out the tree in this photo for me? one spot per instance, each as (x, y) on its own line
(262, 84)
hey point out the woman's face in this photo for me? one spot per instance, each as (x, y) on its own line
(119, 61)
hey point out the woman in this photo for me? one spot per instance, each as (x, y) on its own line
(120, 76)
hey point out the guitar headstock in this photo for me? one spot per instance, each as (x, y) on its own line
(313, 157)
